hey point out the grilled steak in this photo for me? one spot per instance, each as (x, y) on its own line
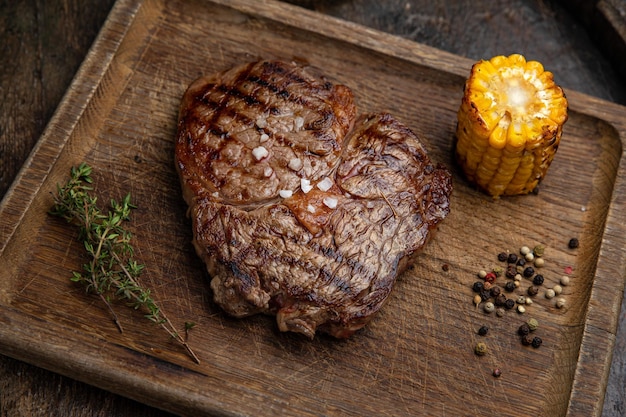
(301, 208)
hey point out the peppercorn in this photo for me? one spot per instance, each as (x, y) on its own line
(480, 349)
(524, 250)
(560, 302)
(538, 279)
(521, 262)
(495, 291)
(533, 324)
(511, 270)
(557, 289)
(482, 274)
(524, 329)
(550, 293)
(539, 250)
(497, 372)
(483, 330)
(512, 258)
(529, 257)
(502, 257)
(500, 300)
(509, 304)
(521, 309)
(536, 342)
(487, 285)
(488, 307)
(485, 295)
(499, 312)
(540, 262)
(510, 286)
(445, 267)
(527, 340)
(478, 286)
(529, 272)
(497, 270)
(564, 280)
(573, 243)
(477, 300)
(517, 277)
(490, 277)
(532, 290)
(521, 300)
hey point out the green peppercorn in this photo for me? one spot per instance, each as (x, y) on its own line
(524, 329)
(532, 291)
(533, 324)
(539, 250)
(483, 330)
(573, 243)
(498, 271)
(528, 272)
(480, 349)
(536, 342)
(502, 257)
(538, 279)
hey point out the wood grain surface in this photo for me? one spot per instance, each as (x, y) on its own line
(38, 36)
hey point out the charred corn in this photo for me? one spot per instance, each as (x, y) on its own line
(509, 125)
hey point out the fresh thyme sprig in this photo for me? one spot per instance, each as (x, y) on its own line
(111, 269)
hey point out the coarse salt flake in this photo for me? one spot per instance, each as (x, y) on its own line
(298, 122)
(267, 172)
(295, 164)
(259, 153)
(261, 122)
(330, 202)
(310, 208)
(305, 185)
(264, 137)
(285, 193)
(325, 184)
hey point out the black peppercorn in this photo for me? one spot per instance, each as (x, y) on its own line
(529, 271)
(538, 279)
(521, 262)
(485, 295)
(523, 330)
(483, 330)
(502, 257)
(509, 304)
(527, 340)
(478, 286)
(532, 290)
(500, 300)
(536, 342)
(497, 372)
(495, 291)
(573, 243)
(510, 286)
(511, 271)
(512, 258)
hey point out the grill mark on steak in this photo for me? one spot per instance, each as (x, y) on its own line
(322, 260)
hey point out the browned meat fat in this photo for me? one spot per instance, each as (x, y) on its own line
(300, 208)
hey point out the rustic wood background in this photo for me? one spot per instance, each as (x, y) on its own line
(43, 43)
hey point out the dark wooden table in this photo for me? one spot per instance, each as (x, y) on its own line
(42, 44)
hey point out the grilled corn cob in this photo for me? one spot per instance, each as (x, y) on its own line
(509, 125)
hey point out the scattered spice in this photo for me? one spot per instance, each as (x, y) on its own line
(477, 299)
(533, 324)
(529, 257)
(482, 274)
(573, 243)
(550, 293)
(502, 257)
(499, 312)
(483, 330)
(524, 250)
(478, 286)
(497, 372)
(521, 309)
(560, 302)
(490, 277)
(509, 304)
(538, 279)
(564, 280)
(532, 290)
(512, 258)
(529, 272)
(480, 349)
(539, 250)
(527, 340)
(510, 286)
(445, 267)
(540, 262)
(568, 270)
(523, 329)
(557, 289)
(536, 342)
(489, 307)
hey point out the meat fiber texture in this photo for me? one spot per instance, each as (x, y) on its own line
(300, 208)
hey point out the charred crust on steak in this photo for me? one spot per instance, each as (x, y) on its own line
(300, 208)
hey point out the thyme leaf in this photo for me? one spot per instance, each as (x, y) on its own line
(111, 269)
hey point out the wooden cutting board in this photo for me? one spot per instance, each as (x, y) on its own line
(417, 356)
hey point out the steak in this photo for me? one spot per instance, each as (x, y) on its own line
(300, 208)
